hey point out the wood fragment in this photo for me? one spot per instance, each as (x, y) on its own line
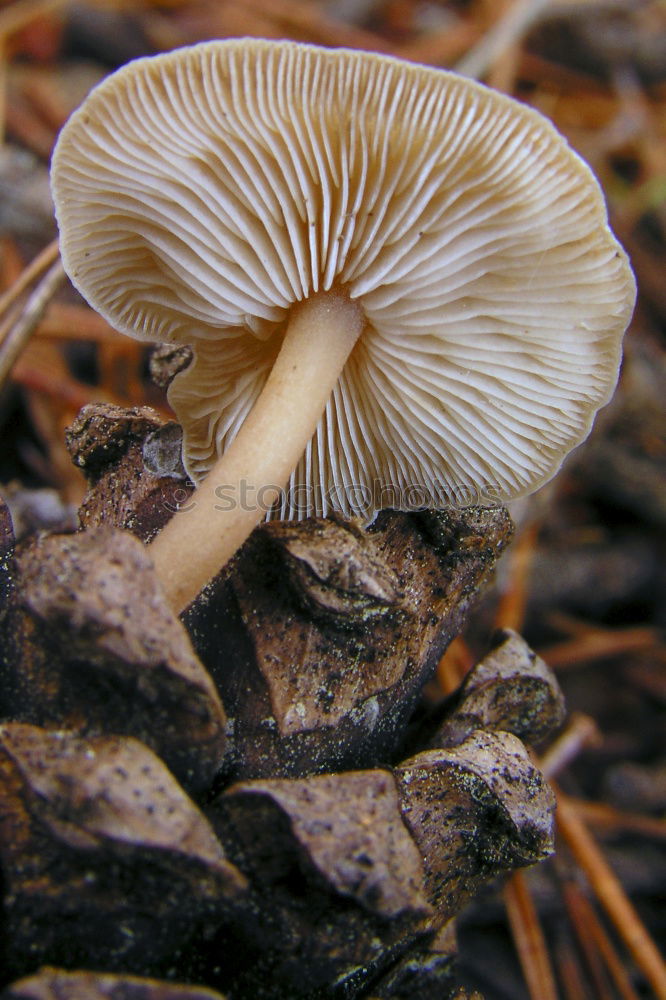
(107, 443)
(166, 361)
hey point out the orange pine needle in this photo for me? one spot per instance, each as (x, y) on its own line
(611, 895)
(594, 940)
(605, 817)
(599, 644)
(529, 939)
(41, 263)
(17, 15)
(510, 611)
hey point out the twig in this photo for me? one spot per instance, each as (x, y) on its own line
(504, 34)
(541, 70)
(613, 962)
(11, 263)
(67, 392)
(455, 663)
(502, 73)
(592, 935)
(570, 974)
(605, 817)
(564, 7)
(582, 731)
(14, 336)
(309, 19)
(119, 364)
(441, 48)
(529, 939)
(611, 895)
(510, 612)
(22, 122)
(45, 101)
(593, 958)
(633, 117)
(22, 12)
(570, 625)
(523, 918)
(598, 645)
(71, 322)
(649, 677)
(3, 91)
(507, 33)
(37, 267)
(569, 971)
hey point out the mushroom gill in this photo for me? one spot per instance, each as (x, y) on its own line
(208, 195)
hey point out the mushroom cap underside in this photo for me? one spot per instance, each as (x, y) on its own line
(202, 193)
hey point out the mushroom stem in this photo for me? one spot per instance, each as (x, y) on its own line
(197, 542)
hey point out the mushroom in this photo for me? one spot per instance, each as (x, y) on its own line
(400, 287)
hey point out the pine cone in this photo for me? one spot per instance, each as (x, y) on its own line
(243, 801)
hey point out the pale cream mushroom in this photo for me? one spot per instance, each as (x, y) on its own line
(400, 286)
